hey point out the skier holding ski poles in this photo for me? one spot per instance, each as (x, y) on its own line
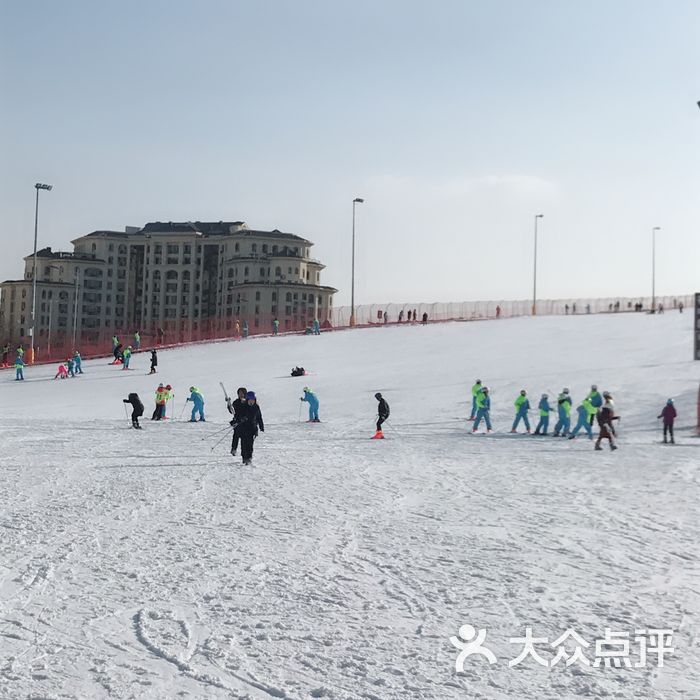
(236, 409)
(250, 421)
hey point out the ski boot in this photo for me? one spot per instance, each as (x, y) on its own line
(598, 447)
(379, 435)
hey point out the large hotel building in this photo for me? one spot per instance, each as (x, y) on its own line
(178, 281)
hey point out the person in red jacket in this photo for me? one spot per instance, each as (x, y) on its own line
(669, 415)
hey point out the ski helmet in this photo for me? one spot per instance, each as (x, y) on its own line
(478, 381)
(594, 387)
(191, 388)
(523, 392)
(168, 387)
(565, 391)
(670, 402)
(544, 396)
(485, 389)
(377, 396)
(306, 388)
(607, 395)
(160, 386)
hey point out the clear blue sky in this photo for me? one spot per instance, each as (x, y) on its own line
(456, 120)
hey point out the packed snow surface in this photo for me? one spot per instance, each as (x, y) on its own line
(145, 564)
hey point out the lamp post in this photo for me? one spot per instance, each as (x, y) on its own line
(357, 200)
(75, 304)
(48, 340)
(38, 186)
(653, 268)
(534, 276)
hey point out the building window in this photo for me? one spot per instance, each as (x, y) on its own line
(264, 248)
(289, 296)
(245, 272)
(237, 247)
(254, 248)
(257, 296)
(262, 272)
(278, 271)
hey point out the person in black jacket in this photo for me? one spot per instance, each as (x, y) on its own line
(250, 420)
(606, 416)
(137, 409)
(154, 361)
(236, 409)
(383, 414)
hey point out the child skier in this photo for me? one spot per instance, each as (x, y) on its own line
(19, 372)
(78, 360)
(197, 404)
(154, 361)
(161, 394)
(5, 353)
(382, 415)
(476, 390)
(137, 341)
(669, 415)
(586, 413)
(606, 416)
(522, 406)
(62, 372)
(70, 367)
(126, 358)
(237, 408)
(169, 396)
(250, 420)
(596, 400)
(137, 409)
(564, 410)
(313, 404)
(545, 410)
(483, 409)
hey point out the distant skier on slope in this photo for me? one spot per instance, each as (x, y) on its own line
(483, 410)
(669, 415)
(383, 412)
(606, 416)
(545, 409)
(236, 408)
(564, 411)
(250, 421)
(137, 409)
(313, 402)
(586, 412)
(197, 404)
(522, 406)
(476, 390)
(154, 361)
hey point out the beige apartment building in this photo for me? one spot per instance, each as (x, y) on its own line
(176, 281)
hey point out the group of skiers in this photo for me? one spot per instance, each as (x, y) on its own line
(595, 407)
(71, 367)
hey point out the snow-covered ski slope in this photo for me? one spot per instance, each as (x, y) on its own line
(141, 564)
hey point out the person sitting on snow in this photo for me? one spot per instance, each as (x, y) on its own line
(313, 404)
(298, 372)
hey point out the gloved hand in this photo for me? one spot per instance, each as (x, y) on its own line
(232, 423)
(262, 430)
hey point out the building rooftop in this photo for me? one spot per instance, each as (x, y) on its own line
(48, 254)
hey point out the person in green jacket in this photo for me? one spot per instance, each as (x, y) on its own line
(586, 413)
(126, 358)
(476, 390)
(522, 406)
(564, 410)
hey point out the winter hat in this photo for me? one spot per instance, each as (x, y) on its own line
(565, 391)
(594, 387)
(478, 381)
(523, 392)
(485, 389)
(377, 396)
(544, 396)
(241, 389)
(168, 387)
(306, 388)
(670, 402)
(607, 395)
(250, 396)
(191, 388)
(160, 386)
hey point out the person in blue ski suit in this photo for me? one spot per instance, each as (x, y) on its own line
(19, 364)
(596, 399)
(522, 406)
(483, 409)
(317, 327)
(586, 411)
(70, 366)
(78, 360)
(198, 404)
(313, 402)
(545, 410)
(564, 411)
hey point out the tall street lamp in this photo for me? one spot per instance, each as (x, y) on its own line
(357, 200)
(534, 276)
(38, 186)
(653, 267)
(48, 340)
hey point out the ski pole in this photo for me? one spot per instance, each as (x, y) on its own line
(218, 442)
(216, 432)
(299, 412)
(126, 412)
(183, 410)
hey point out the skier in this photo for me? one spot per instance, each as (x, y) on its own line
(586, 412)
(236, 409)
(137, 341)
(382, 415)
(118, 357)
(250, 420)
(476, 390)
(522, 406)
(317, 327)
(70, 367)
(19, 364)
(154, 361)
(78, 360)
(115, 342)
(5, 353)
(596, 399)
(126, 358)
(198, 404)
(606, 416)
(483, 409)
(313, 404)
(137, 409)
(169, 396)
(159, 411)
(275, 326)
(564, 410)
(545, 410)
(669, 415)
(62, 372)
